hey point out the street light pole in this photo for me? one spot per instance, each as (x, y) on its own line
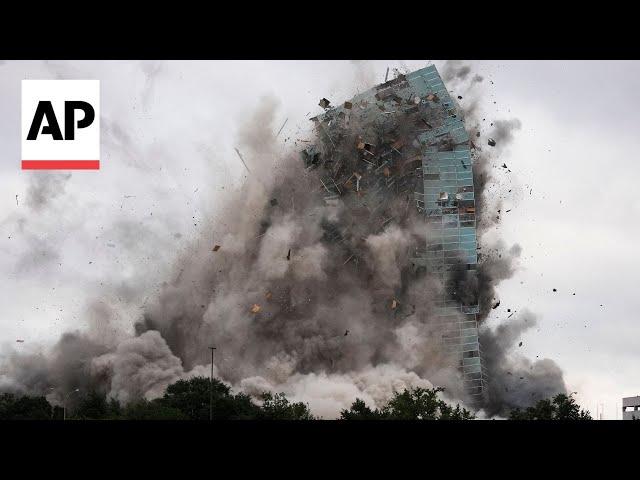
(211, 387)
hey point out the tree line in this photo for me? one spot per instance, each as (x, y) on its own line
(190, 400)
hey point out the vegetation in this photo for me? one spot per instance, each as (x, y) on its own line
(183, 400)
(560, 407)
(14, 407)
(189, 400)
(411, 404)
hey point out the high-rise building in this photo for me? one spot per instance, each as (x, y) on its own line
(414, 145)
(447, 199)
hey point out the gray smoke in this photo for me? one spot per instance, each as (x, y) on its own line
(315, 298)
(455, 70)
(516, 382)
(45, 187)
(503, 131)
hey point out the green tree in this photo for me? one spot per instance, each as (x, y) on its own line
(151, 410)
(22, 407)
(93, 406)
(423, 404)
(278, 407)
(410, 404)
(191, 397)
(560, 407)
(360, 411)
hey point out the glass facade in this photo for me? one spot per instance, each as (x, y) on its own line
(448, 204)
(429, 158)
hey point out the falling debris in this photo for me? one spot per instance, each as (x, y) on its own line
(285, 122)
(394, 304)
(491, 142)
(255, 308)
(242, 160)
(215, 248)
(555, 290)
(346, 333)
(348, 105)
(16, 200)
(274, 202)
(289, 255)
(324, 103)
(520, 344)
(496, 305)
(268, 295)
(348, 259)
(20, 340)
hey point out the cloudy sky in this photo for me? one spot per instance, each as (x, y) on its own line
(72, 245)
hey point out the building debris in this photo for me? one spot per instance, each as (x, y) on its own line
(255, 308)
(324, 103)
(285, 122)
(242, 159)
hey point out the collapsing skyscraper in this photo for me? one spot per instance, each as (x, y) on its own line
(402, 144)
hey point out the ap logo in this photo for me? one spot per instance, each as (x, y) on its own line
(60, 124)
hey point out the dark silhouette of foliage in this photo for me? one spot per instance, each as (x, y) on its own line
(22, 407)
(150, 410)
(360, 411)
(411, 404)
(277, 407)
(560, 407)
(191, 397)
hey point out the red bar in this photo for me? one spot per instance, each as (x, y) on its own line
(60, 164)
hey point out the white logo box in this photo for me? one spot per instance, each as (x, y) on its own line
(46, 153)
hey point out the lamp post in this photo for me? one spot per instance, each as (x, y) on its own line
(211, 387)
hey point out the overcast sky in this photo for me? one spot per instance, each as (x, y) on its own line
(108, 237)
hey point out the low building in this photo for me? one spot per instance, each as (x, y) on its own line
(631, 408)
